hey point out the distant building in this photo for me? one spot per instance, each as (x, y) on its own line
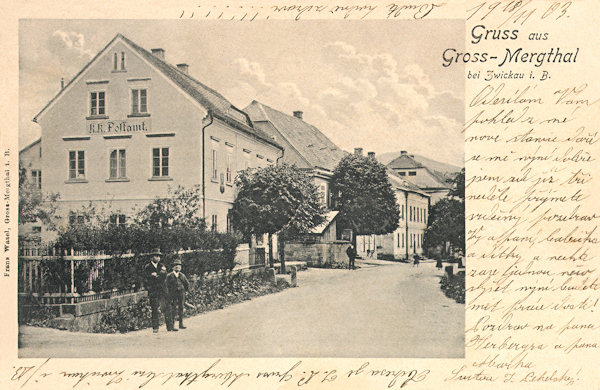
(130, 125)
(305, 145)
(436, 184)
(407, 239)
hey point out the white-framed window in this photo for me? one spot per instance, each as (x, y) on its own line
(228, 172)
(117, 219)
(117, 164)
(76, 164)
(215, 171)
(160, 162)
(36, 177)
(97, 103)
(122, 60)
(323, 193)
(139, 101)
(213, 221)
(115, 62)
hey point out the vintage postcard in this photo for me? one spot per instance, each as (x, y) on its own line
(380, 195)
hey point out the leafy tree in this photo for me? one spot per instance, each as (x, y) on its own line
(458, 189)
(276, 199)
(364, 196)
(33, 204)
(446, 225)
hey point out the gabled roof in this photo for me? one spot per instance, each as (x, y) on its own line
(312, 145)
(31, 145)
(400, 183)
(404, 161)
(329, 217)
(425, 178)
(213, 101)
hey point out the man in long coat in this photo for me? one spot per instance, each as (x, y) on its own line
(154, 280)
(351, 252)
(177, 285)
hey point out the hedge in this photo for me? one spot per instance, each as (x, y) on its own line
(205, 294)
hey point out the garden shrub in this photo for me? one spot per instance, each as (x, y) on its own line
(454, 287)
(36, 315)
(205, 294)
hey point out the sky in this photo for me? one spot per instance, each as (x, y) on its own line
(376, 84)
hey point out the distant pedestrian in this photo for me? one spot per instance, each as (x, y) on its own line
(154, 277)
(368, 253)
(351, 252)
(416, 261)
(177, 285)
(438, 264)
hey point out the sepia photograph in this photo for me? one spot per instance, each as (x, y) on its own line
(206, 188)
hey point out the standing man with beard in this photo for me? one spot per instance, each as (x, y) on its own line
(154, 280)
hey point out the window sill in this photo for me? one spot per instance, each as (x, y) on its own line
(96, 117)
(73, 181)
(139, 115)
(214, 180)
(160, 178)
(117, 180)
(119, 71)
(229, 184)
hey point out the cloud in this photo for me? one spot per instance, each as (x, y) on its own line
(69, 50)
(371, 100)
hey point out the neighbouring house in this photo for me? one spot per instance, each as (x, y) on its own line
(435, 182)
(312, 151)
(305, 145)
(130, 125)
(407, 239)
(30, 161)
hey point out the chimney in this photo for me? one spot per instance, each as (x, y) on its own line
(62, 83)
(184, 68)
(159, 53)
(298, 114)
(412, 156)
(403, 153)
(358, 151)
(371, 154)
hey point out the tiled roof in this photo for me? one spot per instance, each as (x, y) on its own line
(404, 161)
(329, 217)
(401, 183)
(31, 145)
(318, 150)
(206, 96)
(425, 178)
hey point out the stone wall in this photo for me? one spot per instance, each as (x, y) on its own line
(319, 254)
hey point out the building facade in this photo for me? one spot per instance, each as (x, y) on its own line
(130, 126)
(407, 239)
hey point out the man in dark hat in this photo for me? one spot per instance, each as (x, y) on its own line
(177, 285)
(351, 252)
(154, 280)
